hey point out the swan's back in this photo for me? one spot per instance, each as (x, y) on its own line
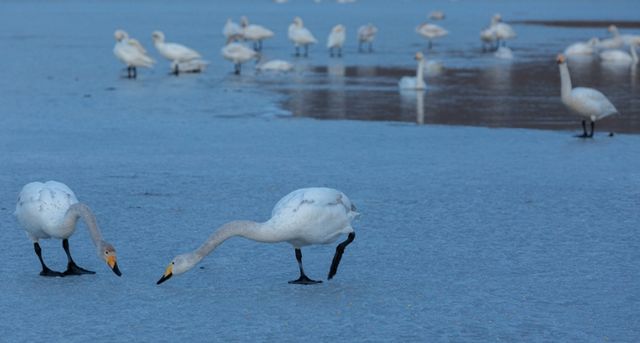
(231, 29)
(257, 32)
(237, 52)
(313, 216)
(177, 52)
(408, 82)
(41, 208)
(301, 35)
(616, 56)
(590, 103)
(131, 55)
(367, 33)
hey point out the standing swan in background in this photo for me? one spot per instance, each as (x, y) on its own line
(336, 39)
(238, 54)
(231, 30)
(619, 56)
(582, 48)
(303, 217)
(131, 53)
(51, 210)
(300, 35)
(417, 82)
(174, 52)
(585, 102)
(502, 30)
(366, 34)
(431, 32)
(254, 33)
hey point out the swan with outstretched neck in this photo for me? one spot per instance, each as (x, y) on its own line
(51, 210)
(417, 82)
(304, 217)
(586, 102)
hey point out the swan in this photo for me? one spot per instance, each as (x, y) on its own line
(417, 82)
(366, 34)
(275, 65)
(431, 32)
(304, 217)
(502, 30)
(300, 35)
(614, 42)
(488, 37)
(174, 52)
(582, 48)
(51, 210)
(619, 56)
(238, 54)
(336, 39)
(131, 53)
(254, 33)
(232, 31)
(436, 15)
(586, 102)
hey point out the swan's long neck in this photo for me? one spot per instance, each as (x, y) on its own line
(565, 81)
(78, 210)
(420, 74)
(261, 232)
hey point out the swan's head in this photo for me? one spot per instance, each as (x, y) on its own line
(497, 17)
(297, 21)
(178, 265)
(120, 35)
(560, 59)
(419, 56)
(338, 28)
(612, 29)
(244, 21)
(157, 36)
(107, 252)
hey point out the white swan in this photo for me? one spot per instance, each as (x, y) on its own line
(238, 54)
(174, 52)
(586, 102)
(131, 53)
(336, 39)
(275, 65)
(366, 34)
(620, 56)
(489, 38)
(232, 31)
(582, 48)
(614, 42)
(51, 210)
(300, 36)
(303, 217)
(502, 30)
(254, 33)
(431, 32)
(417, 82)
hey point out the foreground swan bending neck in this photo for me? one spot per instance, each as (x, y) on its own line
(303, 217)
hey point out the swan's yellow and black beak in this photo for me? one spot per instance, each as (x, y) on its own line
(560, 59)
(167, 275)
(111, 261)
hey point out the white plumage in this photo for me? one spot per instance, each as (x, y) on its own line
(275, 65)
(431, 32)
(51, 210)
(366, 34)
(620, 56)
(130, 52)
(582, 48)
(255, 33)
(417, 82)
(586, 102)
(174, 52)
(231, 30)
(300, 36)
(336, 39)
(304, 217)
(238, 54)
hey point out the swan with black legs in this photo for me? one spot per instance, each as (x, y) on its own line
(51, 210)
(307, 216)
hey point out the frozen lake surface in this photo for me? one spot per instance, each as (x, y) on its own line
(467, 234)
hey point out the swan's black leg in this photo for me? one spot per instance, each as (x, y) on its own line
(306, 50)
(338, 255)
(176, 70)
(303, 279)
(297, 51)
(593, 127)
(45, 270)
(135, 72)
(330, 52)
(584, 130)
(236, 69)
(339, 52)
(72, 267)
(359, 46)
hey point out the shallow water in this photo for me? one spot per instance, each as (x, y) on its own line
(466, 234)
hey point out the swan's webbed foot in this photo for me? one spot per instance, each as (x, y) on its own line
(74, 269)
(304, 280)
(50, 273)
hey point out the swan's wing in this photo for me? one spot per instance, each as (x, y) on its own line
(316, 197)
(257, 32)
(593, 102)
(41, 207)
(181, 52)
(131, 56)
(136, 44)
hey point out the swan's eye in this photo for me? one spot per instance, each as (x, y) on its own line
(173, 262)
